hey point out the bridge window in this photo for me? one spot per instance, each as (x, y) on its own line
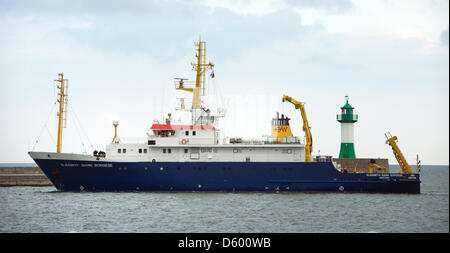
(187, 133)
(145, 151)
(193, 132)
(169, 151)
(124, 150)
(119, 151)
(164, 150)
(140, 151)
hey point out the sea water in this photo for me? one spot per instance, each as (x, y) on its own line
(44, 209)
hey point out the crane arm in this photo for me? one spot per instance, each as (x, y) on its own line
(181, 87)
(392, 141)
(306, 128)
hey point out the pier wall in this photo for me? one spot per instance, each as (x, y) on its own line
(23, 176)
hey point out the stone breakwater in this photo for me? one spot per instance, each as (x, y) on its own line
(23, 176)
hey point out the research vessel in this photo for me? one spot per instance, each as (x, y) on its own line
(193, 156)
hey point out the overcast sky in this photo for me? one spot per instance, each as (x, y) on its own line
(391, 57)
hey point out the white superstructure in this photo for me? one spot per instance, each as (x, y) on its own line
(189, 143)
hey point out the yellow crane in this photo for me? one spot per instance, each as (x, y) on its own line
(392, 141)
(306, 128)
(373, 166)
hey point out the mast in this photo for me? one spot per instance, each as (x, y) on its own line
(201, 67)
(198, 89)
(62, 114)
(116, 139)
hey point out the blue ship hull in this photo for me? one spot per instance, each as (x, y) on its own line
(73, 175)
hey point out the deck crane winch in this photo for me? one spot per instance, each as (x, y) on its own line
(306, 128)
(392, 141)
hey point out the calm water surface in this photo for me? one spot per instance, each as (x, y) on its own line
(43, 209)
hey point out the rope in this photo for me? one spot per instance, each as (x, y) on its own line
(50, 134)
(45, 126)
(81, 126)
(78, 131)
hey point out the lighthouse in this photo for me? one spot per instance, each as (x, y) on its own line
(347, 120)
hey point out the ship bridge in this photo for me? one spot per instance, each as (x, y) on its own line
(167, 134)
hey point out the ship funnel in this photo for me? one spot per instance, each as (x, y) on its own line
(281, 130)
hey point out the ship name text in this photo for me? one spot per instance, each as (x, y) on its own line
(108, 165)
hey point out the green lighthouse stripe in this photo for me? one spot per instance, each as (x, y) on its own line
(347, 150)
(350, 118)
